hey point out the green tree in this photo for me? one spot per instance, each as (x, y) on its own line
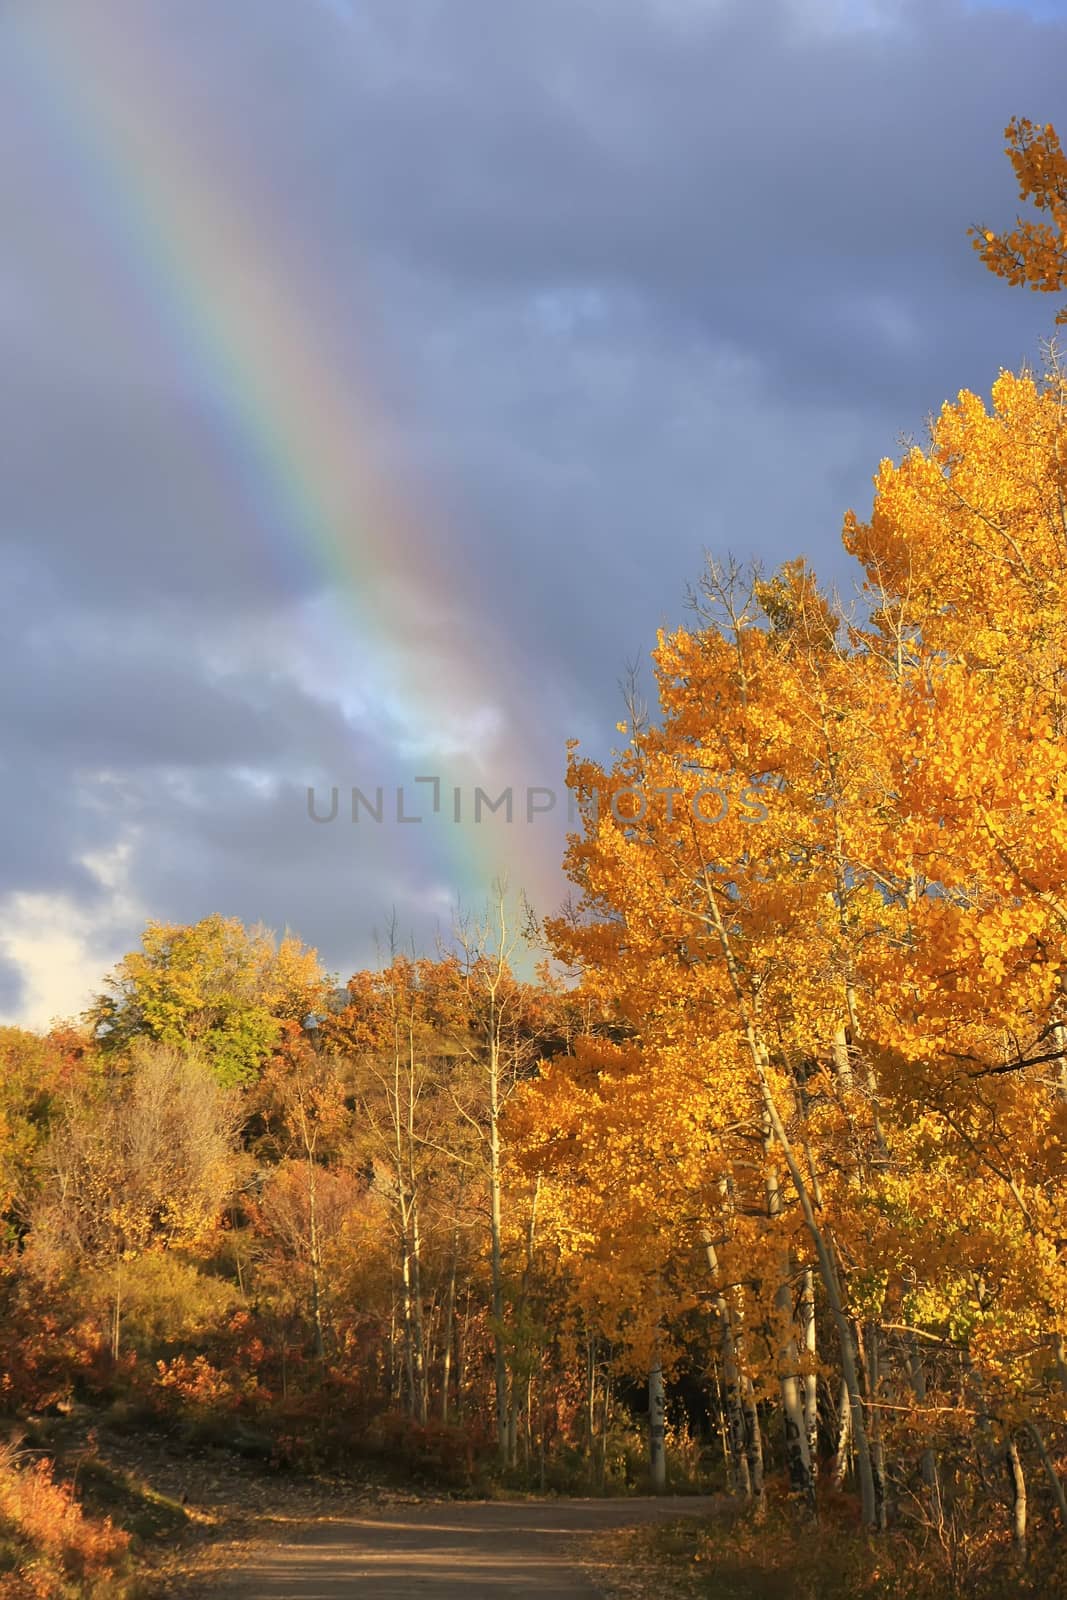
(216, 985)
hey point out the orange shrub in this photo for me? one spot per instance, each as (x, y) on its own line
(48, 1545)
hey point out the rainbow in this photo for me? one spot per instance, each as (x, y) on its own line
(251, 331)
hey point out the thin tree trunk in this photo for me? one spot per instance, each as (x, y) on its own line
(316, 1261)
(541, 1428)
(918, 1383)
(401, 1104)
(873, 1363)
(828, 1274)
(1059, 1037)
(407, 1318)
(1017, 1481)
(798, 1459)
(450, 1317)
(391, 1375)
(731, 1377)
(590, 1399)
(724, 1431)
(753, 1438)
(500, 1370)
(839, 1471)
(605, 1417)
(237, 1251)
(811, 1377)
(462, 1341)
(657, 1419)
(842, 1062)
(985, 1449)
(410, 1179)
(1060, 1351)
(419, 1363)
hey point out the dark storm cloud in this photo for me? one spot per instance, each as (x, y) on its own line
(336, 884)
(755, 180)
(623, 279)
(136, 702)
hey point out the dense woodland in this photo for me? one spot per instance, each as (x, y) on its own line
(774, 1143)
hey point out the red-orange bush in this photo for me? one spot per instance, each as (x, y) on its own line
(48, 1545)
(50, 1356)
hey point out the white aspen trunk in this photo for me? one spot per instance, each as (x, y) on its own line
(811, 1379)
(753, 1438)
(590, 1398)
(735, 1435)
(828, 1274)
(985, 1451)
(392, 1378)
(657, 1430)
(749, 1408)
(418, 1328)
(407, 1319)
(1060, 1352)
(918, 1383)
(308, 1140)
(1059, 1039)
(399, 1162)
(731, 1377)
(462, 1328)
(843, 1078)
(542, 1442)
(798, 1459)
(528, 1424)
(605, 1418)
(421, 1373)
(316, 1261)
(515, 1398)
(500, 1370)
(842, 1062)
(874, 1380)
(851, 1006)
(450, 1318)
(724, 1431)
(1017, 1481)
(839, 1470)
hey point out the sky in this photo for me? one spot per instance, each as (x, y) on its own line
(377, 374)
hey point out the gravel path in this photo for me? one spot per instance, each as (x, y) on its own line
(447, 1551)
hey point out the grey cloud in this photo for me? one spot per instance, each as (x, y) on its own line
(620, 281)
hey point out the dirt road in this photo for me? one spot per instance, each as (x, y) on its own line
(447, 1551)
